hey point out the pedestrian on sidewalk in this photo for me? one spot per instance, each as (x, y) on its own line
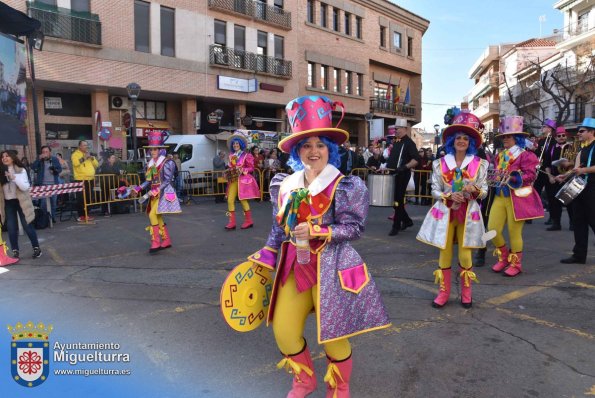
(47, 169)
(458, 180)
(330, 277)
(15, 201)
(84, 165)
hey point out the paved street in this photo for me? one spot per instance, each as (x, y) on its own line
(530, 336)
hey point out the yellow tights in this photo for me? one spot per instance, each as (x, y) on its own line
(445, 258)
(291, 310)
(232, 193)
(501, 214)
(154, 218)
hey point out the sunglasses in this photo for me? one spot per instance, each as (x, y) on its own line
(582, 131)
(561, 136)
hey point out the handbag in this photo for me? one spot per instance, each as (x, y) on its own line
(410, 184)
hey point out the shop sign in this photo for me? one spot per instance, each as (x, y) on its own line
(235, 84)
(53, 102)
(212, 118)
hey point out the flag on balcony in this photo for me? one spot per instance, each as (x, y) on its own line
(397, 93)
(407, 96)
(389, 90)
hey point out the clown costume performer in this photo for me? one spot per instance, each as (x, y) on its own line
(317, 212)
(458, 180)
(515, 201)
(159, 177)
(240, 182)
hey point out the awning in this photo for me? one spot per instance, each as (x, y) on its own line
(14, 22)
(142, 126)
(266, 119)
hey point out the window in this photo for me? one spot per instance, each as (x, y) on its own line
(382, 36)
(311, 76)
(279, 47)
(410, 46)
(348, 89)
(358, 27)
(323, 8)
(324, 77)
(579, 109)
(141, 26)
(168, 32)
(221, 33)
(335, 19)
(48, 2)
(397, 39)
(239, 38)
(278, 4)
(79, 5)
(348, 24)
(336, 80)
(360, 85)
(582, 22)
(262, 41)
(310, 11)
(185, 152)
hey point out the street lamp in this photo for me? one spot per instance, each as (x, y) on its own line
(35, 41)
(133, 93)
(437, 136)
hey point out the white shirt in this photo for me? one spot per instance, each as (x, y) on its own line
(20, 182)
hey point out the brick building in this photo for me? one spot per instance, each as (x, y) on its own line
(246, 58)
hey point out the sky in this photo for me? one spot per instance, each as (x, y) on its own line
(459, 32)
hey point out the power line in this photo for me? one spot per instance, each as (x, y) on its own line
(431, 103)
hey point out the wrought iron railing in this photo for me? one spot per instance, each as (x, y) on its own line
(67, 26)
(382, 105)
(224, 56)
(528, 97)
(255, 9)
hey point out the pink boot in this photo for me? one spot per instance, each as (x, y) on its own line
(165, 239)
(443, 278)
(466, 277)
(232, 220)
(300, 365)
(337, 378)
(4, 258)
(248, 220)
(515, 266)
(502, 253)
(155, 238)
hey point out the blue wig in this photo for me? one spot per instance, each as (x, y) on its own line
(449, 146)
(333, 154)
(234, 140)
(519, 140)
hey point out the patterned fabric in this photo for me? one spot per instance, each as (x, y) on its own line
(341, 313)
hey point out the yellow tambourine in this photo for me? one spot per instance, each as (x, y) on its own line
(246, 295)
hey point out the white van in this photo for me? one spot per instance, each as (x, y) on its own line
(196, 151)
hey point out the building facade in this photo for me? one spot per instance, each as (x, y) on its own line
(244, 59)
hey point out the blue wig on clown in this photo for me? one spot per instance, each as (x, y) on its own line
(333, 154)
(449, 145)
(239, 141)
(520, 141)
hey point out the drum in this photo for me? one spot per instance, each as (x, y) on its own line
(571, 190)
(382, 189)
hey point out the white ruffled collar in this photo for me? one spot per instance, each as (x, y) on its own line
(320, 183)
(152, 162)
(451, 162)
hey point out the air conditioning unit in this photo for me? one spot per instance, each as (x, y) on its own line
(118, 102)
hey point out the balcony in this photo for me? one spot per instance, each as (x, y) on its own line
(62, 23)
(381, 105)
(485, 83)
(486, 110)
(254, 9)
(528, 97)
(233, 59)
(576, 34)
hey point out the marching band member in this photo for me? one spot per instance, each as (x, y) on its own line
(458, 180)
(515, 201)
(240, 182)
(554, 152)
(325, 210)
(584, 204)
(159, 177)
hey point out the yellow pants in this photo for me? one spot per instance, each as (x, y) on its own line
(291, 310)
(232, 194)
(501, 214)
(154, 218)
(445, 259)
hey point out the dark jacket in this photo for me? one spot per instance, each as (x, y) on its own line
(39, 170)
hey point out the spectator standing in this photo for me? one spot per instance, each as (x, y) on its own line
(27, 167)
(376, 160)
(84, 166)
(15, 200)
(47, 169)
(179, 176)
(219, 166)
(65, 174)
(112, 168)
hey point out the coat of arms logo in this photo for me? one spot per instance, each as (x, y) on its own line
(29, 353)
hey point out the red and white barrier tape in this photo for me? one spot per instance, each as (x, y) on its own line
(43, 191)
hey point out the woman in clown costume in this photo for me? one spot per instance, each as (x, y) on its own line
(516, 201)
(458, 180)
(159, 177)
(325, 210)
(240, 182)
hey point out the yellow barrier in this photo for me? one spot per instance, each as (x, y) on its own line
(104, 189)
(266, 177)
